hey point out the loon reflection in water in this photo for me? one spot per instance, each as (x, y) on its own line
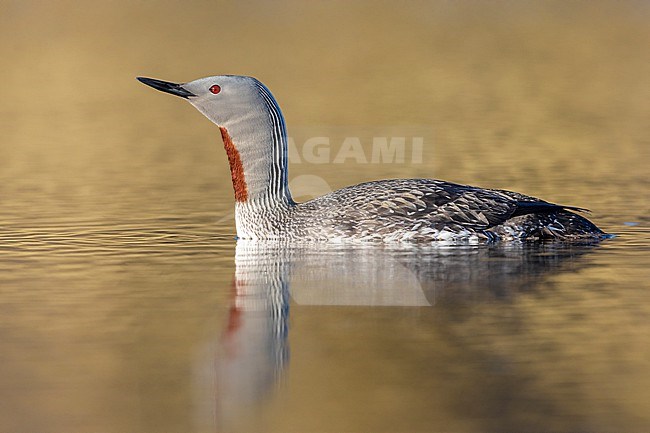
(253, 351)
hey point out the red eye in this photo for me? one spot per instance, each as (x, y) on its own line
(215, 89)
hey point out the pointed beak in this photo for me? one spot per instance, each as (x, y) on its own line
(164, 86)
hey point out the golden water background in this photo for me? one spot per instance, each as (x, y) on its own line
(117, 250)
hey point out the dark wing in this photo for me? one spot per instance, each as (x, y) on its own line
(456, 207)
(442, 205)
(528, 207)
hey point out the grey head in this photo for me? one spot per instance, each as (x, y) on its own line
(252, 129)
(227, 100)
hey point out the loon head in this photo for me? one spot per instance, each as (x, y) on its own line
(252, 129)
(224, 99)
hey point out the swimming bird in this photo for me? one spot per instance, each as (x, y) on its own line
(420, 210)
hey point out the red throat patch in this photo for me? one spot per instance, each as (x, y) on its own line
(236, 167)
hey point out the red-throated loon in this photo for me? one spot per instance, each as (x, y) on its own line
(255, 139)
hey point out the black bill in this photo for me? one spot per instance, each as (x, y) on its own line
(167, 87)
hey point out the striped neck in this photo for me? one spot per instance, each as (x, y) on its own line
(256, 145)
